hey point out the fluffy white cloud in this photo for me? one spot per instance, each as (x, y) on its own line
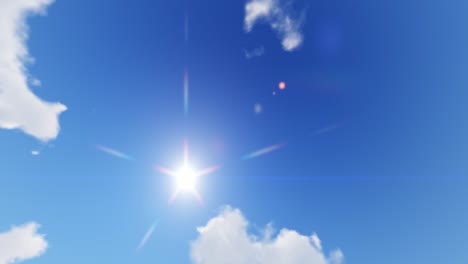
(21, 243)
(280, 20)
(225, 239)
(19, 107)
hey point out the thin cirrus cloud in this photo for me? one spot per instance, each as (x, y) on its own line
(21, 243)
(225, 239)
(20, 108)
(257, 52)
(277, 14)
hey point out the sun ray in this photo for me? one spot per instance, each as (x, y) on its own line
(186, 151)
(147, 236)
(165, 171)
(186, 90)
(263, 151)
(114, 152)
(198, 197)
(206, 171)
(173, 196)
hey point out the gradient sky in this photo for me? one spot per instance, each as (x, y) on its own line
(374, 116)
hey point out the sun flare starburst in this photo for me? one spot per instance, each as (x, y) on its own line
(186, 178)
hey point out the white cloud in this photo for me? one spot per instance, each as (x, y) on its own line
(256, 9)
(35, 152)
(276, 14)
(21, 243)
(224, 239)
(19, 107)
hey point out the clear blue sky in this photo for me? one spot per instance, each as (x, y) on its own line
(388, 185)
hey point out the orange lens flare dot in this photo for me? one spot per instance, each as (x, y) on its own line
(282, 85)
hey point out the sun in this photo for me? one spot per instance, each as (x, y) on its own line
(186, 178)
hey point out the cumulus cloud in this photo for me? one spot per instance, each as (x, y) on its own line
(21, 243)
(19, 107)
(225, 239)
(280, 19)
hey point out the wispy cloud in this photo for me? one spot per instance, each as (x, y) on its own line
(36, 82)
(257, 52)
(281, 20)
(225, 239)
(19, 107)
(21, 243)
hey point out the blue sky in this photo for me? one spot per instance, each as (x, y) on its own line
(373, 117)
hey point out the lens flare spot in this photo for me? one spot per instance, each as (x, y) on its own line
(282, 85)
(258, 108)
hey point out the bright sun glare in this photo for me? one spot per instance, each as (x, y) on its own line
(186, 179)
